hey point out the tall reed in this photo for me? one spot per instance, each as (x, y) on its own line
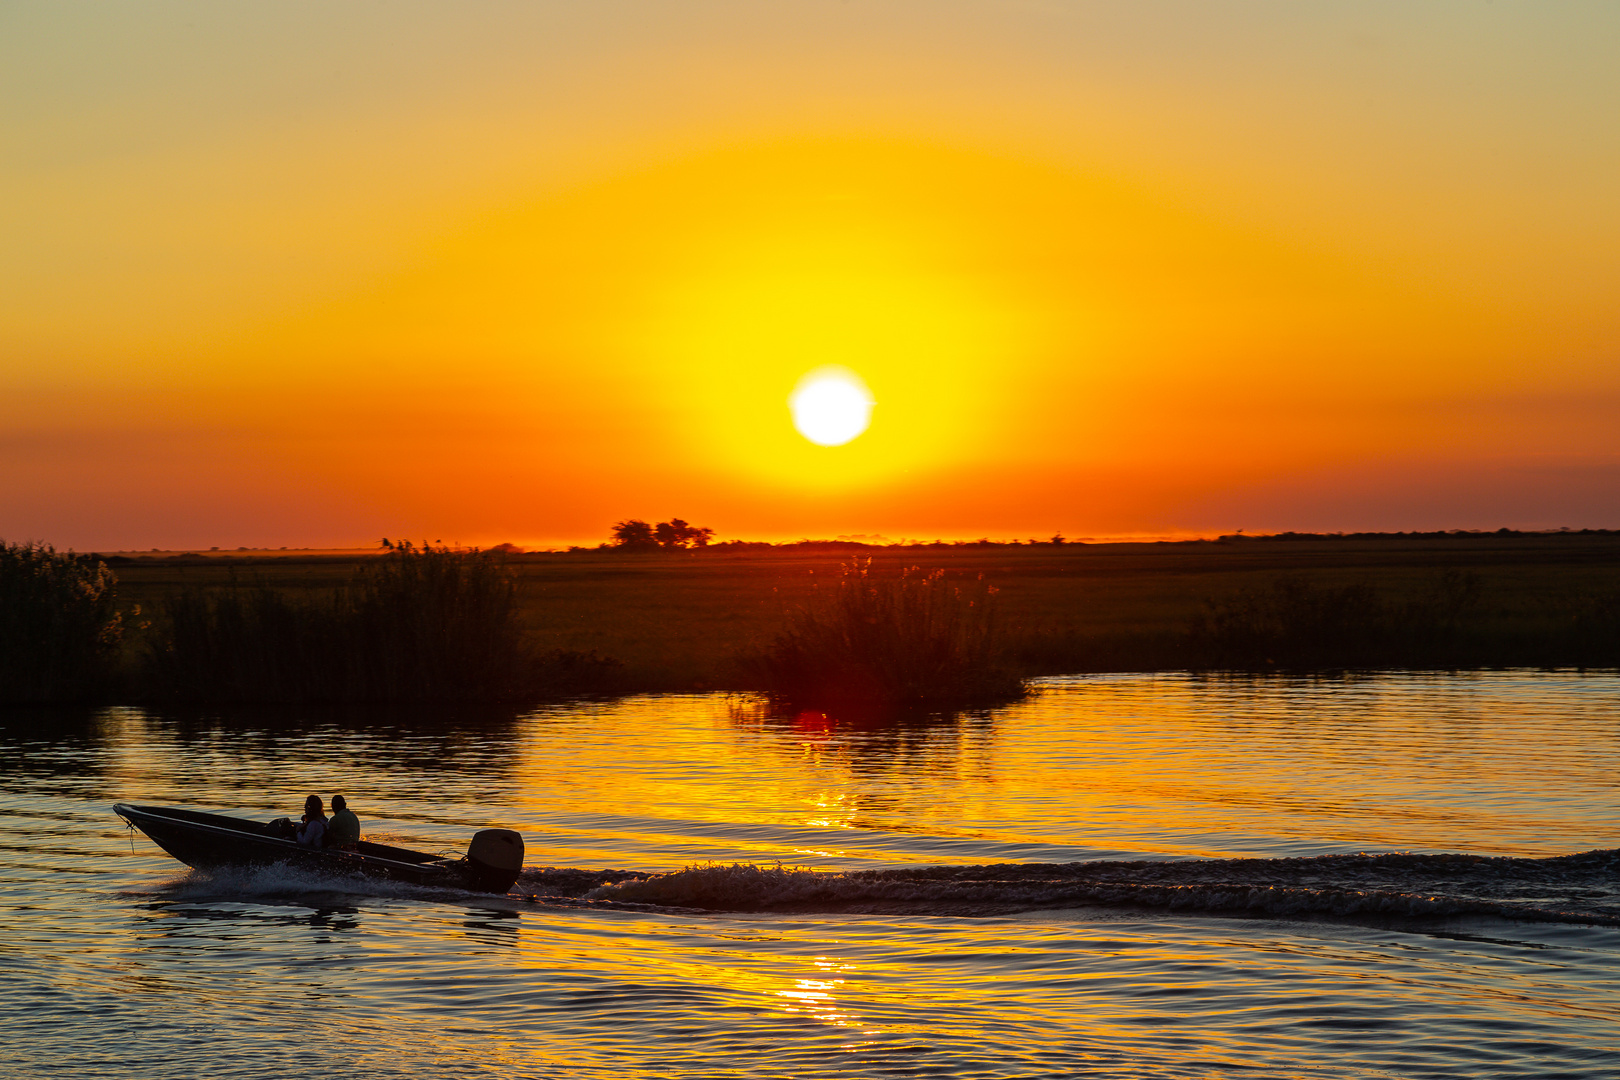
(59, 626)
(415, 624)
(1297, 623)
(910, 641)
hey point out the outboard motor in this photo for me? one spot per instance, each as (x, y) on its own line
(494, 859)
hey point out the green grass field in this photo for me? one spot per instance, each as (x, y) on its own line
(679, 620)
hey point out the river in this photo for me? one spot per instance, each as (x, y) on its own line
(1397, 875)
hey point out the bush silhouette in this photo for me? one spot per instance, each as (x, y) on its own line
(59, 628)
(910, 641)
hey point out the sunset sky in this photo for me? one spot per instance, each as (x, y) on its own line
(308, 274)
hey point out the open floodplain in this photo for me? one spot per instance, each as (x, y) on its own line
(1381, 875)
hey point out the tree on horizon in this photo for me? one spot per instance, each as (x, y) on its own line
(675, 534)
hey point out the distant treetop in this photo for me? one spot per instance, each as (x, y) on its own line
(638, 535)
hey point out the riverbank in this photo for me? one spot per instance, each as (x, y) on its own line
(680, 620)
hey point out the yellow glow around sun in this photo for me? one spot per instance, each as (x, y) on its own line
(849, 257)
(683, 304)
(831, 406)
(742, 335)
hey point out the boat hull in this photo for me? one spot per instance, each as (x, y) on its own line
(213, 841)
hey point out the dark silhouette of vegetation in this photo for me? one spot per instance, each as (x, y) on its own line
(1434, 534)
(313, 627)
(671, 535)
(59, 624)
(889, 643)
(638, 535)
(1593, 630)
(634, 534)
(414, 624)
(1296, 623)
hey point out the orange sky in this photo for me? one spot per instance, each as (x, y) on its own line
(312, 274)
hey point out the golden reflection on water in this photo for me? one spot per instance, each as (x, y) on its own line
(818, 997)
(422, 985)
(1515, 763)
(1167, 765)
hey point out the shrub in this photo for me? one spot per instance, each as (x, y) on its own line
(59, 628)
(910, 641)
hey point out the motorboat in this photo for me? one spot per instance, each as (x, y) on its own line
(205, 841)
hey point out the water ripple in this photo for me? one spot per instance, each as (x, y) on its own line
(1423, 867)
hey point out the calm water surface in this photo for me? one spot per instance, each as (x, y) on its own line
(115, 960)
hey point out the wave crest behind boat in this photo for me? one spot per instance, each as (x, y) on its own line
(1572, 888)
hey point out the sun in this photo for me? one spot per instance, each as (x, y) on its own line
(831, 406)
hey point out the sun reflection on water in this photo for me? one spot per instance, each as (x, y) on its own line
(1088, 768)
(818, 997)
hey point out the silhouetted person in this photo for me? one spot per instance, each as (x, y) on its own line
(313, 831)
(343, 830)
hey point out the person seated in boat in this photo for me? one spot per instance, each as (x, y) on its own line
(343, 828)
(313, 831)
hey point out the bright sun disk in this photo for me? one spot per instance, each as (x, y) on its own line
(831, 406)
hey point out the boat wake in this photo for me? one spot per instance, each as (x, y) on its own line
(1583, 888)
(280, 883)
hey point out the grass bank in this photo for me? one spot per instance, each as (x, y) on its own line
(680, 620)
